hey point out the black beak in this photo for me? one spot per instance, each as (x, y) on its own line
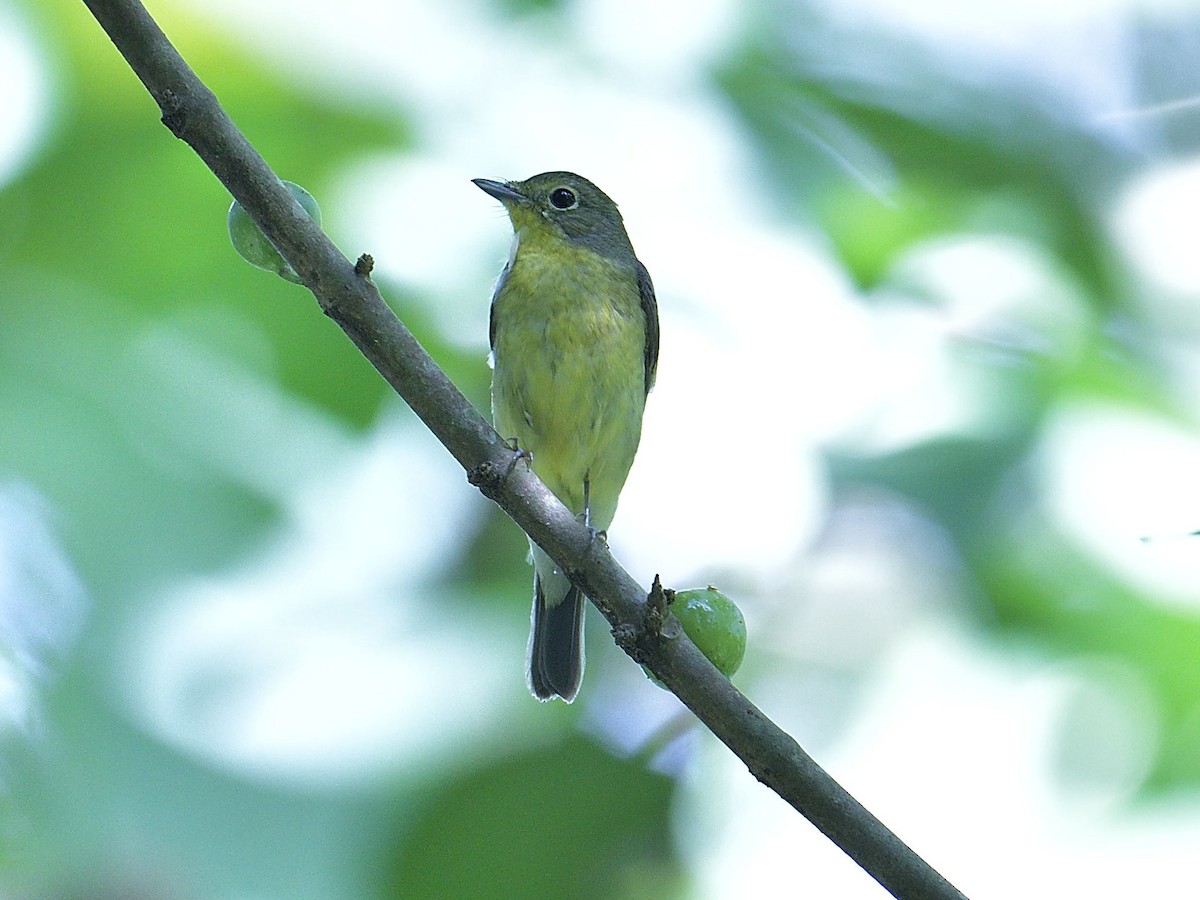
(499, 190)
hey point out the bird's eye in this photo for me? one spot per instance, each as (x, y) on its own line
(563, 198)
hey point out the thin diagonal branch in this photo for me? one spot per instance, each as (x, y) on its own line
(639, 624)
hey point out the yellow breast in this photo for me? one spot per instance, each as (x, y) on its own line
(569, 380)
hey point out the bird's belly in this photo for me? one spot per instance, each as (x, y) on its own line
(573, 397)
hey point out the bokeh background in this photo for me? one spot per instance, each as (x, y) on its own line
(927, 408)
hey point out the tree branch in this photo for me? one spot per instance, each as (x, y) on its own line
(639, 623)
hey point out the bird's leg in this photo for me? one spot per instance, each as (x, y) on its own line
(587, 511)
(518, 454)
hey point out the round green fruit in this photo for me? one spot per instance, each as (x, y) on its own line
(252, 245)
(715, 625)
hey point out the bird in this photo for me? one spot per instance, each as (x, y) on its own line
(574, 336)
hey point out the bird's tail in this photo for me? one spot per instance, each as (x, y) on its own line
(556, 633)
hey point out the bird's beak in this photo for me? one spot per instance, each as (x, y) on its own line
(501, 191)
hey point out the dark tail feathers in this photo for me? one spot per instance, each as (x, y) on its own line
(556, 645)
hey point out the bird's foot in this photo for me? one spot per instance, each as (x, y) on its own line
(518, 454)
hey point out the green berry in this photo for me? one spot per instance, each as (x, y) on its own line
(715, 625)
(252, 245)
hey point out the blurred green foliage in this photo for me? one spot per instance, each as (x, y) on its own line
(1004, 161)
(604, 836)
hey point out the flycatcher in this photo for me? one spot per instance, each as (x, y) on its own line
(574, 337)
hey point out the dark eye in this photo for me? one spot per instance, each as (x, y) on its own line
(563, 198)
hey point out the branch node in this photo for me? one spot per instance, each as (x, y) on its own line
(364, 266)
(628, 638)
(487, 476)
(657, 602)
(174, 112)
(640, 640)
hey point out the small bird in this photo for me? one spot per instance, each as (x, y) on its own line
(574, 338)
